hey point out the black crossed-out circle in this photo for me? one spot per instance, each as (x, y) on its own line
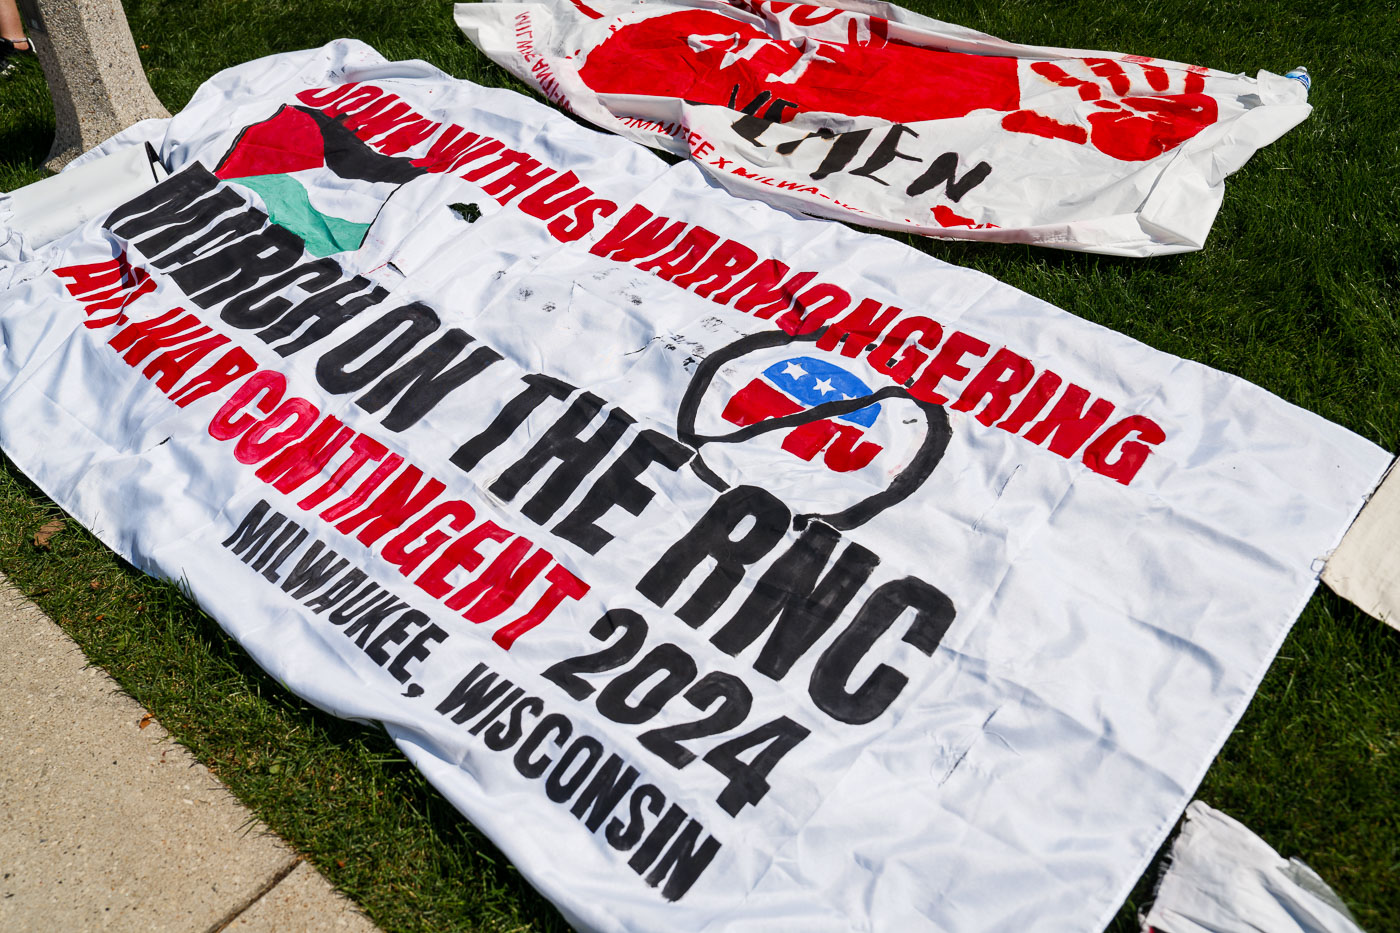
(920, 466)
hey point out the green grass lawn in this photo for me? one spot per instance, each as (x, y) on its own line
(1296, 291)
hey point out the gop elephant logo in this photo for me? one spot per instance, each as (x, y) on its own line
(769, 408)
(798, 384)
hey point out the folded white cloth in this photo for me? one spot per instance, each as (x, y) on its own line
(1224, 879)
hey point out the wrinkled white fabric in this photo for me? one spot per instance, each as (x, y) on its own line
(47, 209)
(1222, 878)
(123, 155)
(470, 421)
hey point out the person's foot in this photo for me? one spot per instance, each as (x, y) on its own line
(12, 51)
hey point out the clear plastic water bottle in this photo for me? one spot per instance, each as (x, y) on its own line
(1300, 74)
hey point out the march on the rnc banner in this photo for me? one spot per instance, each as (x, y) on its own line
(725, 565)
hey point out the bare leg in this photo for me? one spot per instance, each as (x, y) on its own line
(10, 26)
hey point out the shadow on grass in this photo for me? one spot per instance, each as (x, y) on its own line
(26, 126)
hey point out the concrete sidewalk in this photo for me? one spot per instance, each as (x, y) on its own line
(108, 826)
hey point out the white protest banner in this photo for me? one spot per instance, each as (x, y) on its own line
(865, 112)
(732, 570)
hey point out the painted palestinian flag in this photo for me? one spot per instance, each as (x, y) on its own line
(316, 177)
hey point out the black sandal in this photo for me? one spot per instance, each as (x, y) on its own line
(10, 55)
(7, 47)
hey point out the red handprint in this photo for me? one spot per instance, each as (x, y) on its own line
(1132, 127)
(850, 66)
(709, 58)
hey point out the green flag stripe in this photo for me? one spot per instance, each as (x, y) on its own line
(288, 206)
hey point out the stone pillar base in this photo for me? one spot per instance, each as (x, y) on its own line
(93, 72)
